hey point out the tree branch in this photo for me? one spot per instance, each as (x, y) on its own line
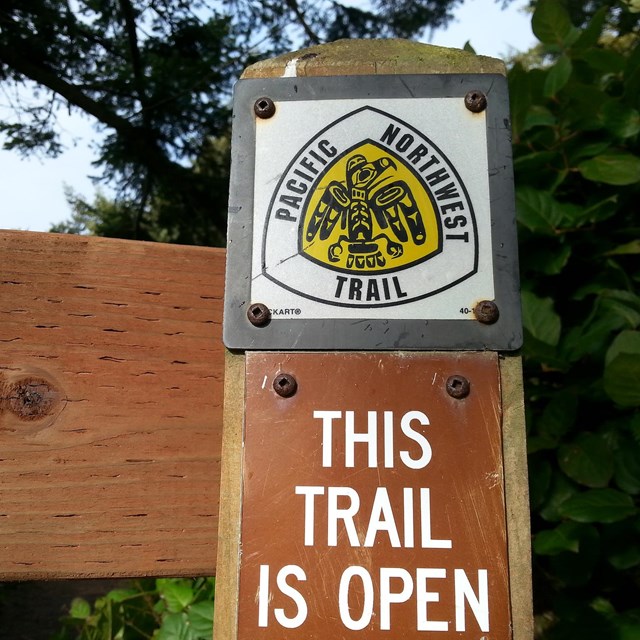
(311, 34)
(43, 75)
(136, 59)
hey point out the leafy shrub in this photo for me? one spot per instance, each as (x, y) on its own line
(577, 171)
(162, 609)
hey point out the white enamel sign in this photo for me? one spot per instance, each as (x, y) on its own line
(382, 208)
(372, 212)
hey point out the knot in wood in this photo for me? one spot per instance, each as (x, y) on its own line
(32, 398)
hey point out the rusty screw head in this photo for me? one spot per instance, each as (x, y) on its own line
(259, 314)
(285, 385)
(475, 101)
(458, 387)
(486, 311)
(264, 107)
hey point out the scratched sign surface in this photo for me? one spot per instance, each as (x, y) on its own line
(373, 501)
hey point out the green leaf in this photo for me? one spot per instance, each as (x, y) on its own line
(591, 33)
(175, 627)
(540, 319)
(625, 304)
(539, 481)
(590, 150)
(540, 212)
(598, 505)
(468, 47)
(562, 489)
(200, 616)
(623, 121)
(587, 460)
(606, 60)
(559, 415)
(631, 248)
(625, 558)
(565, 537)
(80, 609)
(120, 595)
(627, 461)
(539, 116)
(178, 594)
(557, 76)
(576, 568)
(628, 625)
(531, 163)
(520, 98)
(612, 168)
(613, 310)
(622, 369)
(550, 22)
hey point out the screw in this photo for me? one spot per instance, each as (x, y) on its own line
(475, 101)
(264, 108)
(285, 385)
(259, 314)
(458, 387)
(486, 311)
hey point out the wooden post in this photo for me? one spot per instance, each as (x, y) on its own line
(284, 457)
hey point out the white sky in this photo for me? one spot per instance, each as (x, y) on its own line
(32, 190)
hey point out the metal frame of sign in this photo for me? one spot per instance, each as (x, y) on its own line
(365, 332)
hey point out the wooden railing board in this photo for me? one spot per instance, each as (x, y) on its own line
(111, 372)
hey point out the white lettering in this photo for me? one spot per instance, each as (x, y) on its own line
(423, 597)
(388, 597)
(369, 437)
(263, 596)
(327, 418)
(346, 515)
(309, 494)
(425, 514)
(479, 604)
(343, 598)
(381, 519)
(294, 594)
(405, 425)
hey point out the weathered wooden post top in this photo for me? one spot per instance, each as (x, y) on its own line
(374, 480)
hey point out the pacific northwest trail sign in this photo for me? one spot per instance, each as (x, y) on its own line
(374, 482)
(385, 198)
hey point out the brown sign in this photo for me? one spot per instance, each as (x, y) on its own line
(373, 501)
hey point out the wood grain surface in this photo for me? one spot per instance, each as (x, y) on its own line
(111, 372)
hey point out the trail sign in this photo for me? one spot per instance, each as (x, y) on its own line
(372, 212)
(388, 514)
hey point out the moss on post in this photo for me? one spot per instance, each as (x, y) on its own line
(373, 57)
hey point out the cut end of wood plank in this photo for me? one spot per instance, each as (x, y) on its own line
(374, 57)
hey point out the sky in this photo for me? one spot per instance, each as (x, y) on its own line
(32, 189)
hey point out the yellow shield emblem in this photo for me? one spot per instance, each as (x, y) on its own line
(370, 212)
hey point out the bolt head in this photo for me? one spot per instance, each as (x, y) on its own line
(259, 314)
(264, 108)
(285, 385)
(458, 387)
(475, 101)
(486, 311)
